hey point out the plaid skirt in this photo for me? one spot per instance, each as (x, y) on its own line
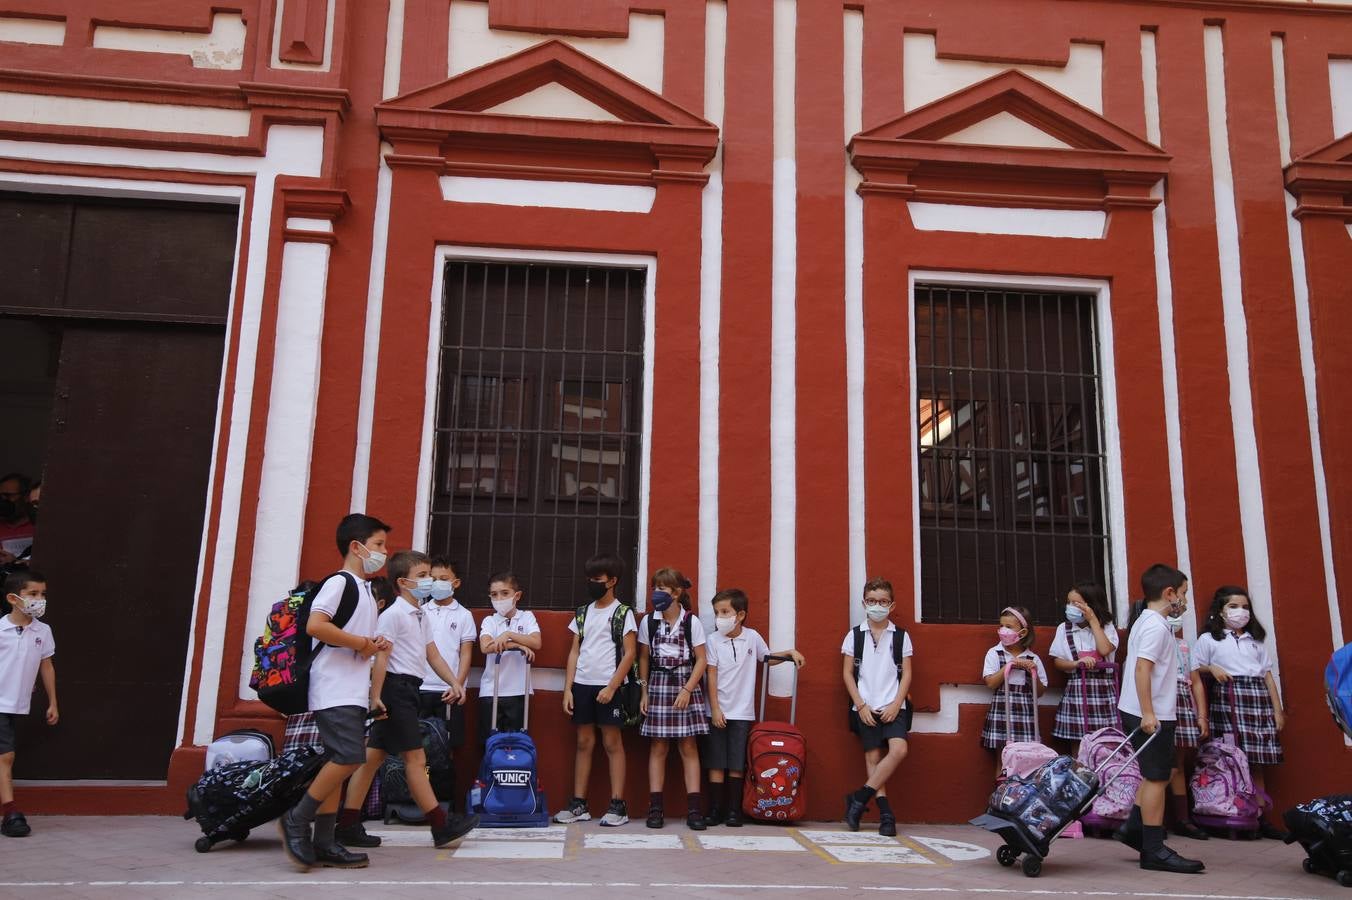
(1187, 733)
(666, 721)
(1088, 704)
(1021, 716)
(1252, 720)
(301, 731)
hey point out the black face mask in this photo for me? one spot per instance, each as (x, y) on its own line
(596, 589)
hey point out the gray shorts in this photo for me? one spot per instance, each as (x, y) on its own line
(725, 748)
(7, 722)
(342, 731)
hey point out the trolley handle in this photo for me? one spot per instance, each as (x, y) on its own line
(1107, 760)
(765, 686)
(497, 675)
(1031, 676)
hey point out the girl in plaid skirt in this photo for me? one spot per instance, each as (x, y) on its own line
(1190, 729)
(671, 670)
(1016, 638)
(1244, 701)
(1085, 646)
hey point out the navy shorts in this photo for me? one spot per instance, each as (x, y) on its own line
(342, 731)
(725, 748)
(7, 723)
(872, 737)
(1157, 762)
(588, 710)
(398, 732)
(430, 706)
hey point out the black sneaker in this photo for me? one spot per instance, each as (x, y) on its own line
(695, 821)
(655, 818)
(296, 841)
(336, 856)
(1166, 860)
(887, 825)
(1132, 837)
(15, 825)
(456, 827)
(355, 836)
(734, 819)
(716, 816)
(854, 811)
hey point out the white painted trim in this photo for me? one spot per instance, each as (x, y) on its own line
(1252, 520)
(445, 252)
(220, 48)
(952, 697)
(1151, 82)
(1279, 95)
(15, 30)
(1085, 224)
(783, 343)
(86, 112)
(711, 311)
(1114, 501)
(370, 355)
(394, 49)
(1340, 90)
(627, 198)
(854, 316)
(300, 223)
(325, 64)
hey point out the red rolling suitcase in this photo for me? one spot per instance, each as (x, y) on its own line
(776, 756)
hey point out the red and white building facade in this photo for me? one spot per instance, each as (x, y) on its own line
(800, 188)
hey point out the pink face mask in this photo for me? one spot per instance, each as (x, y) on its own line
(1008, 636)
(1237, 617)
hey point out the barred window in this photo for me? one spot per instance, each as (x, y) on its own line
(1010, 451)
(538, 425)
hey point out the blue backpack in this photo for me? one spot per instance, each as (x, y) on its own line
(1338, 687)
(507, 793)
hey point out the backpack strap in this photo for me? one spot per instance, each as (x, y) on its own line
(580, 617)
(617, 631)
(858, 651)
(347, 604)
(687, 630)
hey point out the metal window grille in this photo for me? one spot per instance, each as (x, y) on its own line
(538, 424)
(1010, 451)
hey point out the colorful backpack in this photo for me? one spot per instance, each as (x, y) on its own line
(1338, 687)
(1119, 796)
(282, 656)
(1221, 785)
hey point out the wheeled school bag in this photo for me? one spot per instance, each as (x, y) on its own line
(1022, 757)
(244, 745)
(230, 800)
(284, 653)
(1323, 827)
(776, 762)
(1338, 687)
(398, 802)
(1031, 811)
(1114, 803)
(507, 792)
(1224, 797)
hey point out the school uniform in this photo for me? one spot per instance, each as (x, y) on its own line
(1016, 721)
(597, 658)
(1090, 698)
(1152, 638)
(513, 683)
(340, 679)
(22, 650)
(878, 682)
(405, 627)
(451, 626)
(671, 660)
(1187, 731)
(735, 660)
(1242, 706)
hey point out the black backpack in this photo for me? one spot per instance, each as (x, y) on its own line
(629, 693)
(898, 648)
(286, 652)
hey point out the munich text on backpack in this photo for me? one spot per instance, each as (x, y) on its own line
(1114, 804)
(629, 694)
(231, 799)
(284, 653)
(507, 793)
(1338, 687)
(776, 762)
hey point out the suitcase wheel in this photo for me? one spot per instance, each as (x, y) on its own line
(203, 844)
(1308, 865)
(1032, 866)
(1006, 856)
(1344, 877)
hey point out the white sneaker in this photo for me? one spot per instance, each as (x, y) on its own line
(574, 812)
(616, 815)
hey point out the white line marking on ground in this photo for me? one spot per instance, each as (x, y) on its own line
(896, 854)
(958, 851)
(479, 849)
(602, 841)
(846, 837)
(756, 843)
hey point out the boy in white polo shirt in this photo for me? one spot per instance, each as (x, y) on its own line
(453, 631)
(1148, 704)
(509, 628)
(733, 651)
(26, 649)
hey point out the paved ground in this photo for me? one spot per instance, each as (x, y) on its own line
(153, 857)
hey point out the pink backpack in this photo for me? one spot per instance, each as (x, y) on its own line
(1022, 758)
(1221, 785)
(1117, 799)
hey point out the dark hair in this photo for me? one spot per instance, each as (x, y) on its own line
(402, 563)
(1097, 599)
(1157, 578)
(1028, 638)
(384, 591)
(607, 564)
(1215, 622)
(19, 579)
(444, 562)
(1137, 607)
(879, 584)
(508, 578)
(358, 527)
(25, 483)
(736, 598)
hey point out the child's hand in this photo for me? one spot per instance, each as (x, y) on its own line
(451, 694)
(889, 712)
(502, 643)
(1218, 673)
(718, 719)
(1089, 616)
(53, 715)
(1088, 662)
(1149, 724)
(1203, 726)
(605, 695)
(529, 653)
(643, 703)
(568, 702)
(682, 699)
(464, 695)
(866, 716)
(378, 710)
(798, 659)
(1025, 663)
(1279, 715)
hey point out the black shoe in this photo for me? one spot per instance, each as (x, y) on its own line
(1132, 837)
(716, 816)
(456, 827)
(336, 856)
(854, 811)
(296, 842)
(655, 818)
(1270, 831)
(15, 825)
(734, 819)
(695, 821)
(1166, 860)
(355, 836)
(887, 825)
(1189, 829)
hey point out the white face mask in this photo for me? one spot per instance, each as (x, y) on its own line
(1237, 617)
(724, 624)
(875, 612)
(373, 563)
(442, 590)
(503, 607)
(1174, 622)
(34, 607)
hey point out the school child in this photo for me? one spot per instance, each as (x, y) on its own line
(671, 671)
(509, 628)
(340, 688)
(1017, 720)
(598, 664)
(732, 652)
(878, 686)
(1149, 708)
(26, 650)
(1191, 729)
(453, 631)
(395, 683)
(1244, 699)
(1085, 646)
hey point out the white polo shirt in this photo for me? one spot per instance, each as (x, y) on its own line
(22, 650)
(877, 679)
(992, 664)
(406, 628)
(1151, 638)
(697, 638)
(735, 659)
(452, 626)
(1083, 637)
(339, 676)
(596, 655)
(1236, 652)
(513, 683)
